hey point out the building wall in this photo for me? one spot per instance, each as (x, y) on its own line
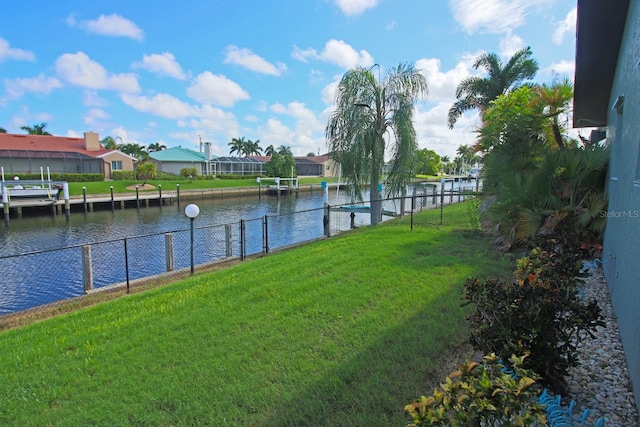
(622, 235)
(127, 163)
(175, 167)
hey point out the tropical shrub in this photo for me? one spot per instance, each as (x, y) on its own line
(147, 170)
(539, 314)
(189, 172)
(482, 394)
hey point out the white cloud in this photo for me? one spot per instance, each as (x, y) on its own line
(304, 55)
(7, 52)
(94, 116)
(163, 64)
(562, 68)
(490, 16)
(249, 60)
(337, 52)
(209, 88)
(90, 98)
(41, 84)
(442, 84)
(355, 7)
(567, 26)
(80, 70)
(434, 134)
(109, 25)
(162, 105)
(391, 25)
(510, 44)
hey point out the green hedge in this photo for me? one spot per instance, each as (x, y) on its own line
(69, 177)
(123, 175)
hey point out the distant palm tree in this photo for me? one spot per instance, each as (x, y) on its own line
(284, 151)
(109, 143)
(135, 150)
(36, 129)
(3, 130)
(270, 150)
(251, 148)
(156, 146)
(477, 92)
(237, 146)
(367, 109)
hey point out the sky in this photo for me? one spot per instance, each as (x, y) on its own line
(181, 72)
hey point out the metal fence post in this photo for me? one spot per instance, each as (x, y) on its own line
(441, 201)
(243, 249)
(265, 233)
(325, 220)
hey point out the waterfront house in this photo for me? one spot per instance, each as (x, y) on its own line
(21, 154)
(607, 97)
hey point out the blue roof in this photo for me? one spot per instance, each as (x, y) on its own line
(178, 154)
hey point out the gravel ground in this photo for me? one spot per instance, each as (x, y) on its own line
(601, 383)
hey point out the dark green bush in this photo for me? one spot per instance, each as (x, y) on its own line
(539, 313)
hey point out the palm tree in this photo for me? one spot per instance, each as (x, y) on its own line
(477, 92)
(109, 143)
(156, 146)
(270, 150)
(367, 110)
(285, 151)
(135, 150)
(252, 147)
(36, 129)
(556, 100)
(237, 146)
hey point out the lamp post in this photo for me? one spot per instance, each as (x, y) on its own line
(192, 211)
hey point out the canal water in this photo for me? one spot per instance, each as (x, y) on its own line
(29, 281)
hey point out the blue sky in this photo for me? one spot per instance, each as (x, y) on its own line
(176, 71)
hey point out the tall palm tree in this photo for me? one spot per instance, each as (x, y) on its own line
(270, 150)
(156, 146)
(477, 92)
(109, 143)
(135, 150)
(284, 151)
(252, 147)
(36, 129)
(237, 146)
(367, 110)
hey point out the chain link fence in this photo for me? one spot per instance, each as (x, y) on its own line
(30, 281)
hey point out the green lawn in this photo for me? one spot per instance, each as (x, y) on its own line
(339, 332)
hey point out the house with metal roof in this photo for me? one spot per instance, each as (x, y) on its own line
(607, 96)
(28, 153)
(174, 159)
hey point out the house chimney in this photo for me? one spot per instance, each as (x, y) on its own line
(91, 141)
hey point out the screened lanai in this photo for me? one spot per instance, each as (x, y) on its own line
(28, 161)
(239, 165)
